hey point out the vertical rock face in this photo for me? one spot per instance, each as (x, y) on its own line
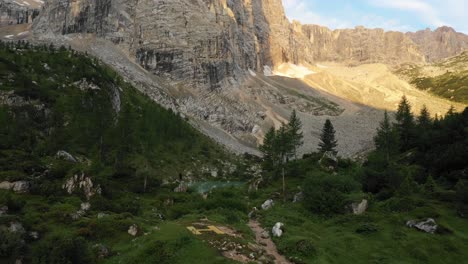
(442, 43)
(204, 42)
(13, 12)
(361, 45)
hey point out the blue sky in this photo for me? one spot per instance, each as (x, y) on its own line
(401, 15)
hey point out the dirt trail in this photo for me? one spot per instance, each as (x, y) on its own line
(267, 243)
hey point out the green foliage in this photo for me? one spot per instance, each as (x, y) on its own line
(327, 138)
(279, 146)
(11, 244)
(327, 194)
(62, 249)
(405, 124)
(386, 140)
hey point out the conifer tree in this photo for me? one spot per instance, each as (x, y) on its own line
(386, 139)
(424, 119)
(405, 123)
(268, 148)
(327, 138)
(295, 133)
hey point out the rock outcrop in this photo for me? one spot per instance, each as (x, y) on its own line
(429, 225)
(202, 42)
(361, 45)
(439, 44)
(13, 12)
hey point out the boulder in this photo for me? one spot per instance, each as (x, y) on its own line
(21, 187)
(3, 210)
(268, 204)
(359, 208)
(133, 230)
(82, 182)
(16, 227)
(253, 213)
(18, 186)
(34, 235)
(277, 231)
(102, 251)
(329, 160)
(62, 154)
(183, 187)
(298, 197)
(429, 225)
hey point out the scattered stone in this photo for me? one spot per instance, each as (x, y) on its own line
(16, 227)
(84, 207)
(182, 188)
(17, 187)
(265, 235)
(102, 251)
(329, 160)
(359, 208)
(101, 215)
(298, 197)
(255, 183)
(34, 235)
(62, 154)
(277, 231)
(133, 230)
(253, 213)
(268, 204)
(81, 182)
(429, 225)
(3, 210)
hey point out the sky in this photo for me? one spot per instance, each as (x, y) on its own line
(400, 15)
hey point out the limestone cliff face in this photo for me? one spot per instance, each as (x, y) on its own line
(202, 41)
(442, 43)
(361, 45)
(13, 12)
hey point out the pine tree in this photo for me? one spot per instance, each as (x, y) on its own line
(284, 144)
(405, 123)
(424, 119)
(451, 111)
(295, 133)
(430, 187)
(386, 139)
(268, 148)
(327, 138)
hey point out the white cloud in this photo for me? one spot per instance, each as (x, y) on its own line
(301, 10)
(423, 9)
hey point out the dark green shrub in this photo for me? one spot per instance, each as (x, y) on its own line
(11, 244)
(326, 194)
(59, 250)
(367, 228)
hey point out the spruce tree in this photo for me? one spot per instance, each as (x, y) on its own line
(295, 133)
(424, 119)
(405, 123)
(268, 148)
(284, 144)
(386, 140)
(327, 138)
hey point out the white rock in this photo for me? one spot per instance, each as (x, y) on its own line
(298, 197)
(276, 231)
(62, 154)
(359, 208)
(268, 204)
(428, 226)
(18, 186)
(133, 230)
(3, 210)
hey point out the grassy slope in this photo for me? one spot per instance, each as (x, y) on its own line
(383, 237)
(451, 84)
(118, 149)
